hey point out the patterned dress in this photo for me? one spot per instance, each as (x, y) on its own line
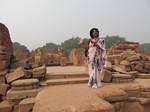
(96, 60)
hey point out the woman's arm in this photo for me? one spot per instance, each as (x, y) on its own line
(84, 44)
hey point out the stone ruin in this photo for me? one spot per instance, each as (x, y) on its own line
(19, 81)
(51, 56)
(76, 57)
(21, 53)
(127, 74)
(125, 63)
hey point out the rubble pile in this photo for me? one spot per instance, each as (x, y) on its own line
(19, 81)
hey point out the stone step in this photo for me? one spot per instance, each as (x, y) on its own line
(21, 94)
(66, 75)
(24, 84)
(143, 76)
(67, 81)
(122, 78)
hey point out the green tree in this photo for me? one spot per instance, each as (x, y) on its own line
(145, 47)
(50, 45)
(111, 40)
(69, 44)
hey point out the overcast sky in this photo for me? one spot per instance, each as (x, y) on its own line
(36, 22)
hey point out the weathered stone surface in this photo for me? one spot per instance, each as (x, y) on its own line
(77, 57)
(121, 78)
(26, 105)
(21, 94)
(122, 46)
(118, 69)
(20, 51)
(147, 66)
(28, 73)
(112, 94)
(3, 89)
(136, 57)
(145, 94)
(39, 72)
(143, 76)
(101, 106)
(6, 47)
(25, 84)
(18, 73)
(106, 75)
(124, 76)
(132, 89)
(5, 106)
(144, 101)
(124, 62)
(73, 98)
(2, 77)
(108, 65)
(133, 73)
(118, 106)
(63, 61)
(134, 107)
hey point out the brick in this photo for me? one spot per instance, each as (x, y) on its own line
(26, 105)
(21, 94)
(2, 77)
(39, 72)
(25, 84)
(3, 89)
(106, 75)
(18, 73)
(5, 106)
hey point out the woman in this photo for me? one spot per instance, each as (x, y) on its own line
(96, 57)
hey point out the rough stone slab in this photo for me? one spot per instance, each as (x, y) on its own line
(144, 101)
(133, 73)
(3, 89)
(143, 76)
(39, 72)
(108, 65)
(3, 64)
(106, 75)
(112, 94)
(5, 106)
(123, 76)
(145, 94)
(26, 105)
(66, 81)
(25, 82)
(28, 73)
(118, 106)
(18, 73)
(70, 98)
(118, 69)
(2, 77)
(133, 90)
(16, 95)
(25, 87)
(134, 57)
(147, 66)
(120, 80)
(101, 106)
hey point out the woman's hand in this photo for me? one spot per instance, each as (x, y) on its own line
(81, 41)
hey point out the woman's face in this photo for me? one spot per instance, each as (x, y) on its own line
(95, 34)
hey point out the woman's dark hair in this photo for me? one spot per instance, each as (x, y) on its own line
(92, 30)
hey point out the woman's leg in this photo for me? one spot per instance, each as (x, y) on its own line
(98, 77)
(90, 75)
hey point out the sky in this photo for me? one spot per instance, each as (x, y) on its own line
(36, 22)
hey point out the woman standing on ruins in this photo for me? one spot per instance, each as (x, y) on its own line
(96, 57)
